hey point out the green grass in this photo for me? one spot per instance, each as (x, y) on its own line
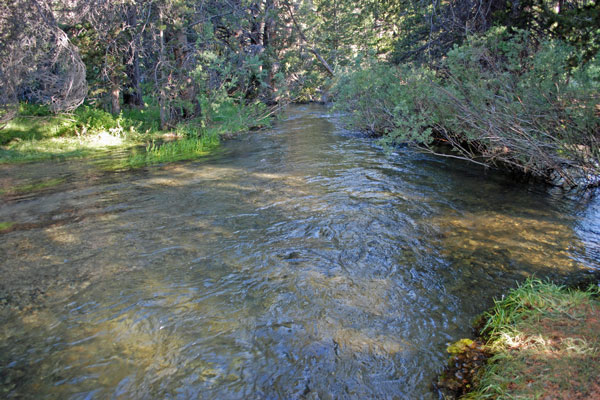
(178, 150)
(6, 225)
(200, 136)
(61, 148)
(545, 341)
(231, 118)
(37, 135)
(532, 299)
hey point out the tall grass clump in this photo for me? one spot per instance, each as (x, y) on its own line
(199, 136)
(530, 299)
(230, 117)
(178, 150)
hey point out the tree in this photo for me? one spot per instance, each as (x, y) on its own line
(39, 61)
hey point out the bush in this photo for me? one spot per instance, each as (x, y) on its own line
(386, 101)
(95, 119)
(34, 110)
(184, 149)
(142, 120)
(509, 100)
(501, 99)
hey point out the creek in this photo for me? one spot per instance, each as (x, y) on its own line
(300, 262)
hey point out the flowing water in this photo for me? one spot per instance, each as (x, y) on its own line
(298, 263)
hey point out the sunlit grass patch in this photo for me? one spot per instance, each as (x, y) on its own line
(545, 341)
(178, 150)
(61, 147)
(4, 226)
(36, 134)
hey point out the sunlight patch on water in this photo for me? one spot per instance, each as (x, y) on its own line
(501, 241)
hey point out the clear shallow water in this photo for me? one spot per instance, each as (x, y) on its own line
(297, 263)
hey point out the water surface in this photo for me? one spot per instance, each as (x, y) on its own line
(298, 263)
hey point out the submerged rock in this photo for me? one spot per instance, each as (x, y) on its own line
(462, 372)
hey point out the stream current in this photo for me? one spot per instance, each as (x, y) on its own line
(301, 262)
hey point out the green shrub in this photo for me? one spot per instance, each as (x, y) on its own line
(516, 102)
(34, 110)
(500, 99)
(142, 120)
(386, 100)
(95, 119)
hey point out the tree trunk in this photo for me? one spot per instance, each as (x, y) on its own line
(180, 50)
(162, 94)
(115, 104)
(132, 95)
(558, 6)
(267, 31)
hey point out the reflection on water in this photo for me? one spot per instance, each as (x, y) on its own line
(297, 263)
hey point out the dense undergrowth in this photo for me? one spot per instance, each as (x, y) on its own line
(501, 99)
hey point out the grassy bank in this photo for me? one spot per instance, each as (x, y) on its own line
(37, 135)
(542, 340)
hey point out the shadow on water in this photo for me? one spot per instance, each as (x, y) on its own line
(297, 263)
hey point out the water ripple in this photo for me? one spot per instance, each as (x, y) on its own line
(298, 263)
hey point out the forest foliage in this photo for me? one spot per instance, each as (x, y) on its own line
(517, 88)
(185, 57)
(511, 84)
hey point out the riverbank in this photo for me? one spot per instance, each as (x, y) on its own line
(38, 135)
(490, 99)
(540, 341)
